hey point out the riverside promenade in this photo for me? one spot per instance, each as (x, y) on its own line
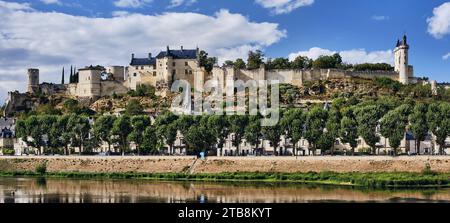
(189, 164)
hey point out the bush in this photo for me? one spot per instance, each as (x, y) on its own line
(41, 168)
(388, 83)
(8, 152)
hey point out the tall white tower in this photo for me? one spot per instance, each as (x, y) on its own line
(401, 60)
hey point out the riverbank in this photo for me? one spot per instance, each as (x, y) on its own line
(370, 180)
(191, 165)
(377, 172)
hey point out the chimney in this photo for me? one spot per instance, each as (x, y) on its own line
(132, 56)
(182, 48)
(168, 50)
(150, 56)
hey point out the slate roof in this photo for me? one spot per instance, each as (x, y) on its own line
(179, 54)
(143, 61)
(175, 54)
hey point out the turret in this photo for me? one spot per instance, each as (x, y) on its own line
(401, 60)
(33, 81)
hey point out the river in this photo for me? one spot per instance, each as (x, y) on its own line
(55, 190)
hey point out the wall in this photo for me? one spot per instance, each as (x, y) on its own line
(227, 164)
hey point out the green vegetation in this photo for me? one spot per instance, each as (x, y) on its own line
(345, 119)
(369, 180)
(7, 152)
(41, 169)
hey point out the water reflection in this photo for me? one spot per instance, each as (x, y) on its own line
(41, 190)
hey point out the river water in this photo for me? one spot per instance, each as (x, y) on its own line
(41, 190)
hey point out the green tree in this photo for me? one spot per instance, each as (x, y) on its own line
(228, 63)
(419, 124)
(326, 142)
(255, 59)
(206, 62)
(333, 127)
(102, 129)
(314, 126)
(121, 130)
(368, 118)
(220, 129)
(134, 107)
(139, 124)
(166, 129)
(393, 125)
(30, 132)
(199, 139)
(278, 63)
(150, 141)
(239, 64)
(273, 135)
(46, 125)
(292, 123)
(79, 129)
(301, 62)
(438, 117)
(327, 62)
(61, 128)
(71, 106)
(349, 131)
(252, 132)
(237, 128)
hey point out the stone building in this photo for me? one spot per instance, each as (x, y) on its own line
(168, 66)
(7, 135)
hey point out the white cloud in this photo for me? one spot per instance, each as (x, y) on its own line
(283, 6)
(356, 56)
(312, 53)
(446, 56)
(14, 6)
(120, 13)
(131, 3)
(50, 40)
(380, 17)
(439, 24)
(233, 53)
(48, 2)
(176, 3)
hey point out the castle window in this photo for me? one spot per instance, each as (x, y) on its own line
(142, 67)
(186, 72)
(154, 73)
(173, 64)
(186, 64)
(190, 71)
(134, 75)
(137, 68)
(154, 67)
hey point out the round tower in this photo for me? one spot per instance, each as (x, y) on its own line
(401, 60)
(33, 80)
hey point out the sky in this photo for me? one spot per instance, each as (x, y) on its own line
(52, 34)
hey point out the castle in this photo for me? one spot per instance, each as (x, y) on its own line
(184, 64)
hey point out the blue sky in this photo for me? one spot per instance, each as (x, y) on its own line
(84, 32)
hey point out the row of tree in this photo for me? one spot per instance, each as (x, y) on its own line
(256, 59)
(321, 127)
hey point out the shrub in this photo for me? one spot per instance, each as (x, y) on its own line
(41, 168)
(8, 152)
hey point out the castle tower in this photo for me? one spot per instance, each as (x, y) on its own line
(401, 60)
(33, 81)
